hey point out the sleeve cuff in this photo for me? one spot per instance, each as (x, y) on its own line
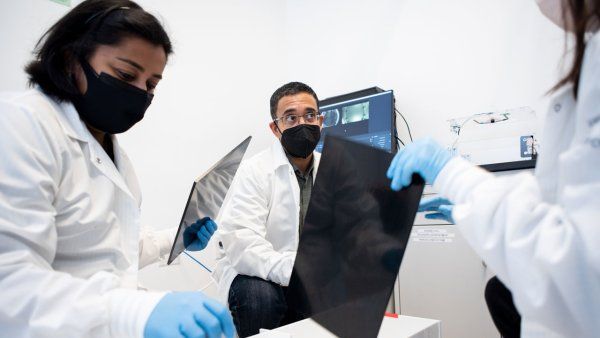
(458, 178)
(282, 271)
(129, 311)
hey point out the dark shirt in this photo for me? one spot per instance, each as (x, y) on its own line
(109, 147)
(305, 182)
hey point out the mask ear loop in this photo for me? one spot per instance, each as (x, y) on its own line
(277, 126)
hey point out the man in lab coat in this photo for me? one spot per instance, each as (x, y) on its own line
(263, 215)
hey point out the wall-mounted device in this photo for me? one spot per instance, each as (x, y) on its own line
(498, 140)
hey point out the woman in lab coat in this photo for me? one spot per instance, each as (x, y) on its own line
(540, 233)
(70, 234)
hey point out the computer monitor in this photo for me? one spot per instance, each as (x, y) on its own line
(365, 116)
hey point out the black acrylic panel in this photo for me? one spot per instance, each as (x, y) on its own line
(355, 234)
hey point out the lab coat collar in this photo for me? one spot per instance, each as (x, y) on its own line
(309, 170)
(563, 93)
(282, 162)
(71, 122)
(74, 127)
(280, 159)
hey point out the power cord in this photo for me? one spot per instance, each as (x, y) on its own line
(405, 122)
(397, 138)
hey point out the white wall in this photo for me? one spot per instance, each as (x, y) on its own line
(443, 59)
(22, 23)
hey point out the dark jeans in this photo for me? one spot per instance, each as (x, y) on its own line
(256, 303)
(504, 313)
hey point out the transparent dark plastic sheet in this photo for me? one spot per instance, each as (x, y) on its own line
(208, 193)
(355, 234)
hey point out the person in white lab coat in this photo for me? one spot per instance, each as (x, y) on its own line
(71, 242)
(263, 215)
(540, 233)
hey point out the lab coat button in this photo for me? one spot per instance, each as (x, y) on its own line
(557, 107)
(98, 160)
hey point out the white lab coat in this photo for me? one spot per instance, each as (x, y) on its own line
(258, 222)
(541, 233)
(70, 237)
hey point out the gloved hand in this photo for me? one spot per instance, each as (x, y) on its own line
(442, 208)
(424, 157)
(189, 314)
(197, 235)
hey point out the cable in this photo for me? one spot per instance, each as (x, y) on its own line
(197, 261)
(460, 127)
(396, 136)
(399, 140)
(396, 126)
(405, 122)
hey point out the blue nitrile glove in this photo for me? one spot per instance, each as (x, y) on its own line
(197, 235)
(189, 314)
(424, 157)
(442, 208)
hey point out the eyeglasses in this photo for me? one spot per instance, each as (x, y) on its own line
(291, 120)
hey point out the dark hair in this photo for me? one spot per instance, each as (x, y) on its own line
(288, 89)
(77, 35)
(582, 15)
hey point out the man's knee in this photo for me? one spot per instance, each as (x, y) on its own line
(256, 303)
(256, 293)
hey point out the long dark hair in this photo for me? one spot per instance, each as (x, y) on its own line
(78, 34)
(581, 15)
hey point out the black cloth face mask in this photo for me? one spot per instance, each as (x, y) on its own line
(109, 104)
(301, 140)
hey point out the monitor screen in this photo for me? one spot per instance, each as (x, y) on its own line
(365, 117)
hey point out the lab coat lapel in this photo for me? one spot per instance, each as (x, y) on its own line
(106, 166)
(127, 173)
(556, 138)
(280, 160)
(317, 160)
(282, 166)
(74, 128)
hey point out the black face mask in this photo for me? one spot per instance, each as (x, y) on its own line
(301, 140)
(109, 104)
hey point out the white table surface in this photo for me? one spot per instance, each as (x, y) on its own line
(401, 327)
